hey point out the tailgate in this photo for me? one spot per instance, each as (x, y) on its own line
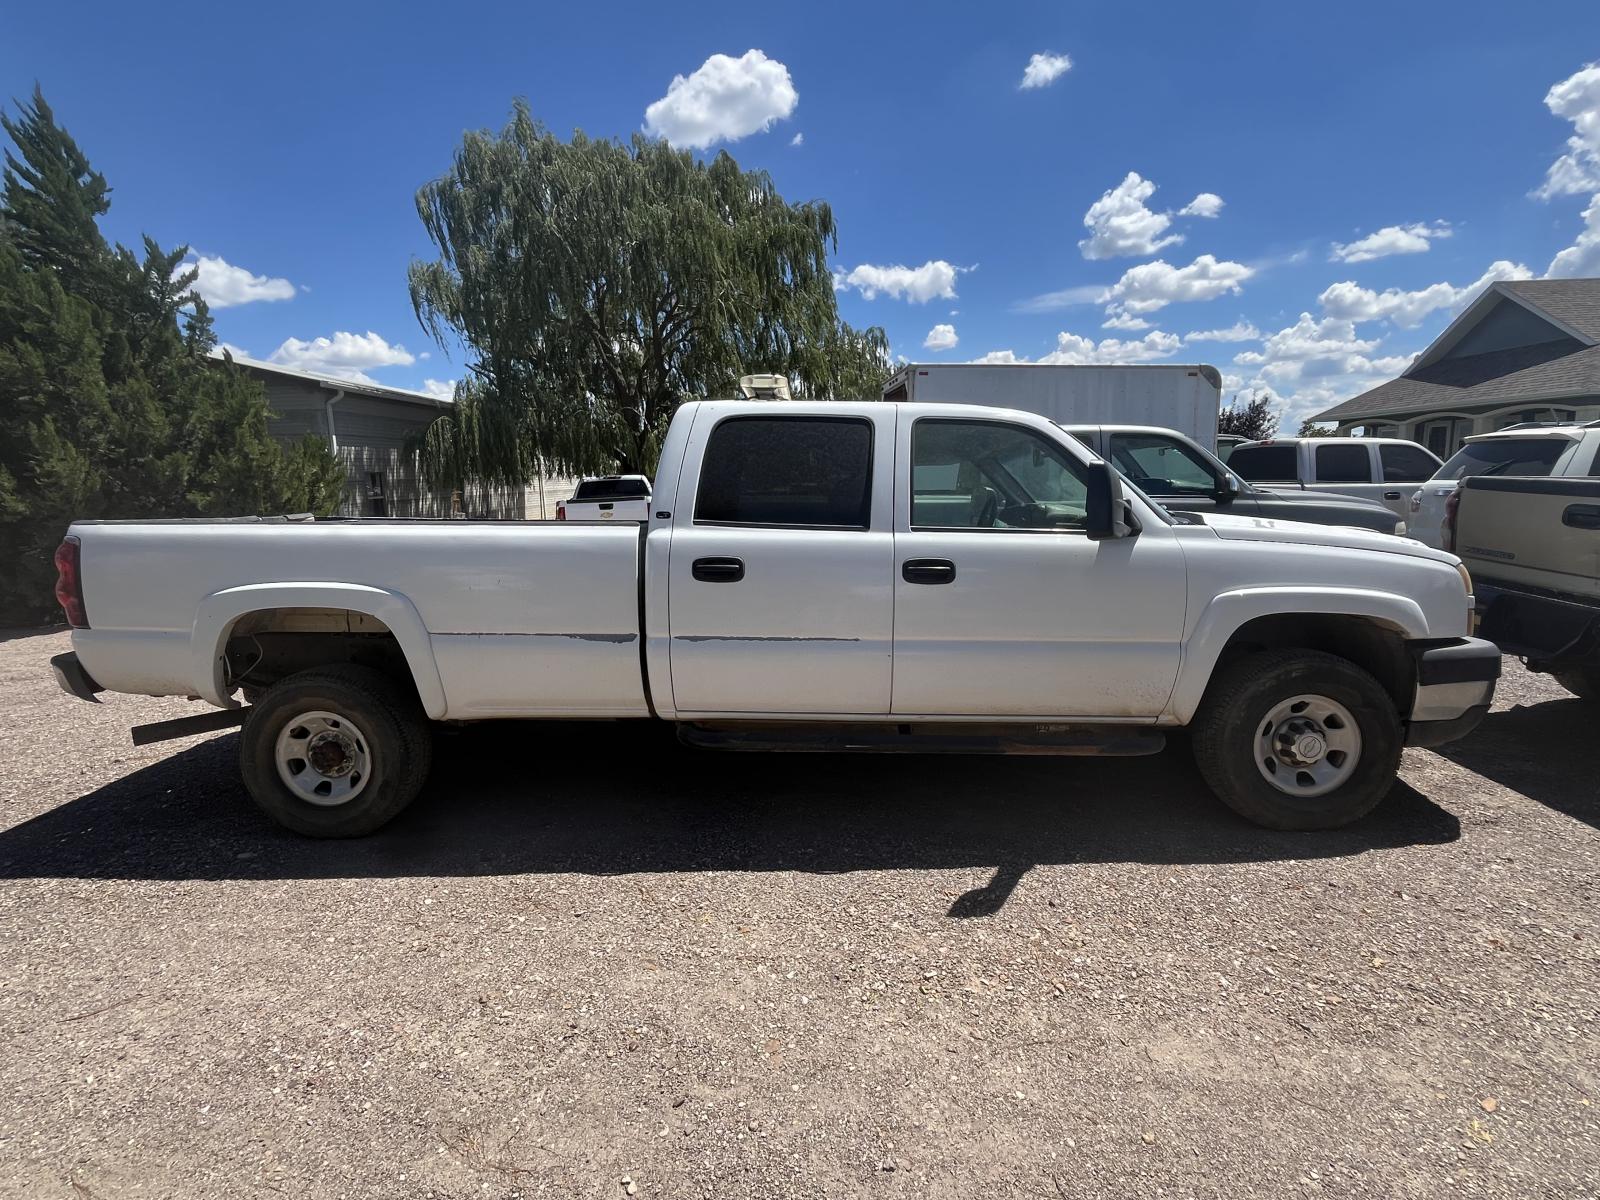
(1542, 533)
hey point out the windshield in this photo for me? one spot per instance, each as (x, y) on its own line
(1505, 456)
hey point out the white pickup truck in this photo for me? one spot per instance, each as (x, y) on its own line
(1383, 469)
(816, 576)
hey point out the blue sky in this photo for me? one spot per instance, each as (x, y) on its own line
(1349, 172)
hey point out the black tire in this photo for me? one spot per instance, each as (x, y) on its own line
(1238, 701)
(396, 741)
(1583, 682)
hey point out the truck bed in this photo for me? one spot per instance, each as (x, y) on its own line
(521, 619)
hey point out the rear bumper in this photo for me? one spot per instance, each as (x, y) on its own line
(1455, 685)
(1533, 624)
(74, 680)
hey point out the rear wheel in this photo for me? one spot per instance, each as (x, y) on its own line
(1583, 682)
(335, 752)
(1297, 739)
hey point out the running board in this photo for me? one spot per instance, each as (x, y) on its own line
(165, 731)
(1109, 740)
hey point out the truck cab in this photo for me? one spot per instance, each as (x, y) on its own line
(1383, 469)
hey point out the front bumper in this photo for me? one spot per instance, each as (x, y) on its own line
(1455, 685)
(74, 680)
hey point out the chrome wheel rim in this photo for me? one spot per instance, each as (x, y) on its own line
(1307, 745)
(323, 758)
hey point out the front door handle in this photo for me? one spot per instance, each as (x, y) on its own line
(928, 570)
(1582, 516)
(718, 570)
(1391, 495)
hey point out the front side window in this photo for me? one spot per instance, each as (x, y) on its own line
(991, 475)
(1162, 466)
(1265, 464)
(813, 472)
(1344, 464)
(1404, 463)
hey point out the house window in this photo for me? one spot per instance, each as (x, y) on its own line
(377, 503)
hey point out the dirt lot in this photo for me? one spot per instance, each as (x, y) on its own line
(588, 958)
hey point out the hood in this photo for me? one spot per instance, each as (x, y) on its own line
(1337, 499)
(1268, 529)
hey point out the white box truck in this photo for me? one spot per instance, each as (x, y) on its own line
(1182, 397)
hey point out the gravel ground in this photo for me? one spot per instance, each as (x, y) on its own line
(590, 963)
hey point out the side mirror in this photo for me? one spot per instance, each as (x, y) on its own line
(1109, 515)
(1229, 490)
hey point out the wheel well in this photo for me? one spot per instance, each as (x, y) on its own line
(265, 646)
(1376, 648)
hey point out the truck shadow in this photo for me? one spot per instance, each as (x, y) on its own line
(609, 799)
(1540, 751)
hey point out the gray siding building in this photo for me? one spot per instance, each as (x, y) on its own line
(1524, 350)
(368, 425)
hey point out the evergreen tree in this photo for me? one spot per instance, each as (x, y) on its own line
(109, 401)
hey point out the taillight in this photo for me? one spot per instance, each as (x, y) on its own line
(1448, 530)
(561, 511)
(69, 582)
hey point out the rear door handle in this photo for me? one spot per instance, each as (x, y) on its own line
(1582, 516)
(718, 570)
(1391, 495)
(928, 570)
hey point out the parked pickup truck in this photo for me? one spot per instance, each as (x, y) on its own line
(835, 576)
(1535, 544)
(1177, 474)
(607, 498)
(1383, 469)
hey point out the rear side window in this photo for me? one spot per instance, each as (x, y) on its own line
(1343, 464)
(1265, 464)
(1406, 464)
(806, 471)
(1505, 456)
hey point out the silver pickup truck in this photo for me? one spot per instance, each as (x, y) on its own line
(1533, 546)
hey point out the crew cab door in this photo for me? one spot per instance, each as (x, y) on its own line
(1352, 469)
(780, 564)
(1003, 605)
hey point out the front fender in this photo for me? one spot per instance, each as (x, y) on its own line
(1229, 612)
(218, 612)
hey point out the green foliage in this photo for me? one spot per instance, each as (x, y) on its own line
(598, 285)
(109, 403)
(1309, 428)
(1253, 419)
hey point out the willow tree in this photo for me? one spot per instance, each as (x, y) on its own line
(596, 286)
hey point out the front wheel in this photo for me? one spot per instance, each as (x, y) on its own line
(1297, 739)
(335, 752)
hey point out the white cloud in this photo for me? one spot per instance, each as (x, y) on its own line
(224, 285)
(1391, 239)
(1121, 224)
(1583, 256)
(1240, 331)
(941, 337)
(1154, 285)
(798, 139)
(1576, 98)
(1206, 204)
(1313, 365)
(1044, 69)
(1091, 293)
(725, 100)
(933, 279)
(1349, 301)
(1081, 351)
(1000, 358)
(344, 355)
(440, 389)
(1124, 320)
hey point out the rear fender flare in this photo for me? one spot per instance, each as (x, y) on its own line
(218, 612)
(1229, 612)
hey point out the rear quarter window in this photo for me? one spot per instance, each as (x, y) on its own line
(1265, 464)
